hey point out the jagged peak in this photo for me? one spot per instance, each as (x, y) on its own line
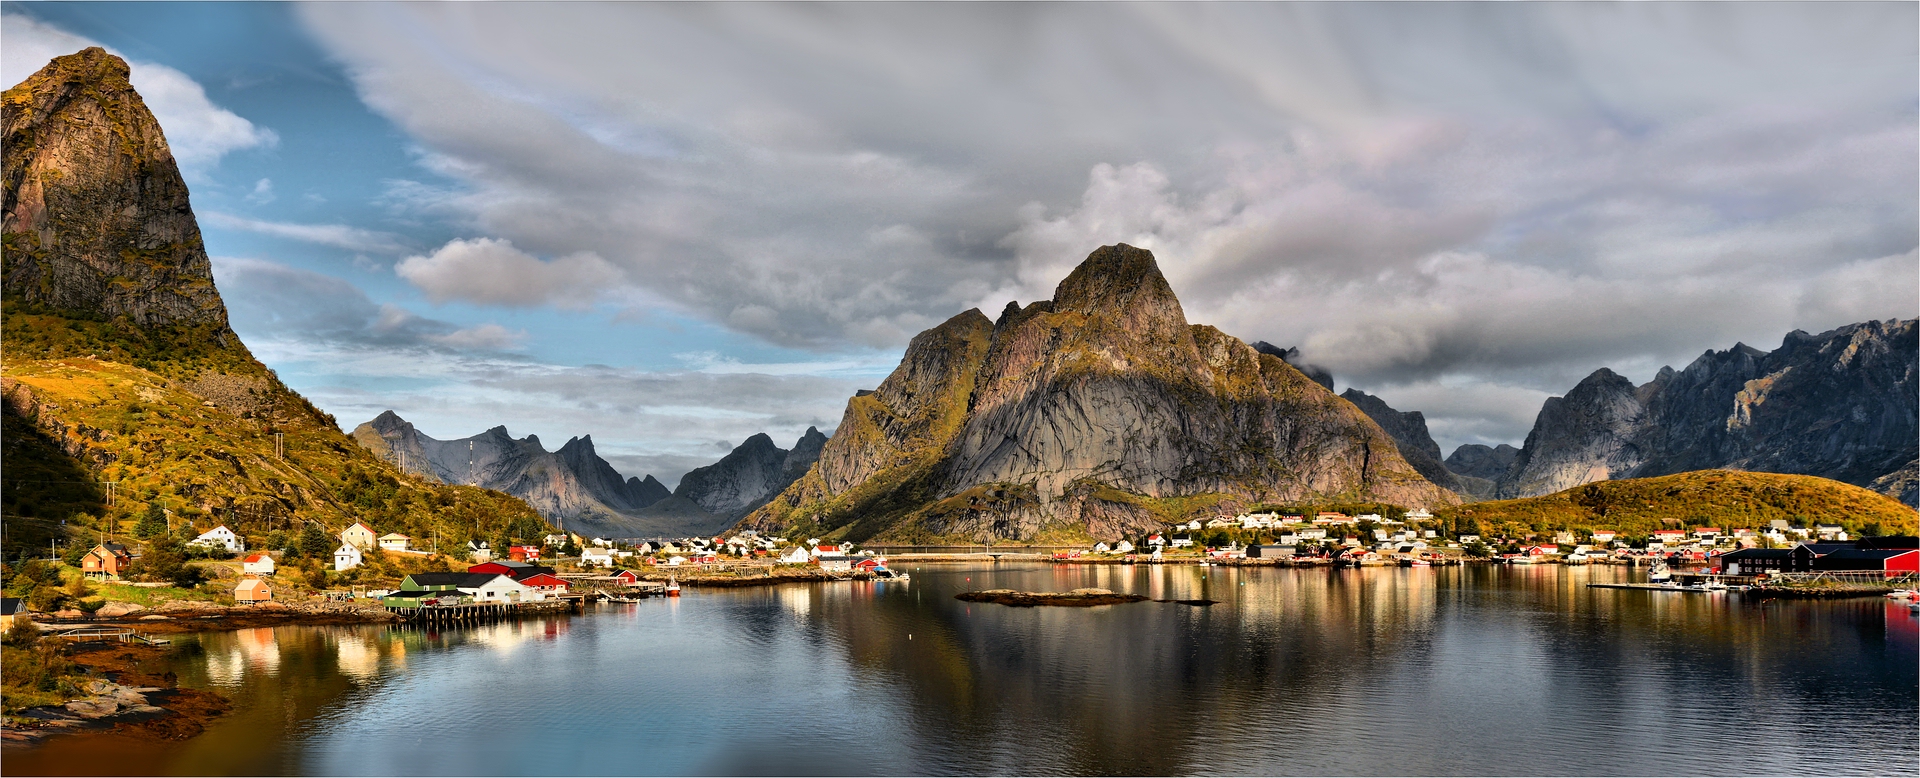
(758, 440)
(1113, 279)
(93, 66)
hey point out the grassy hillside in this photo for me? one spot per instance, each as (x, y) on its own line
(201, 444)
(1721, 498)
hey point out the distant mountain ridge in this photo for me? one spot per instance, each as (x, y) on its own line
(1842, 404)
(573, 486)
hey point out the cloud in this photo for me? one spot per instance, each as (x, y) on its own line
(1452, 195)
(271, 302)
(198, 132)
(262, 192)
(492, 272)
(339, 236)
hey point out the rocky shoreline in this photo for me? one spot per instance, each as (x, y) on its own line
(198, 616)
(128, 697)
(773, 577)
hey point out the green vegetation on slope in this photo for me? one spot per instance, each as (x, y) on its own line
(1726, 499)
(257, 458)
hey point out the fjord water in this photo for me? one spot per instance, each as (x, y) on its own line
(1472, 670)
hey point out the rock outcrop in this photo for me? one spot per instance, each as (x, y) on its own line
(1409, 433)
(1291, 356)
(573, 486)
(1102, 396)
(1841, 405)
(97, 219)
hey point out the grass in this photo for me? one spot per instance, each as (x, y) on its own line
(1721, 498)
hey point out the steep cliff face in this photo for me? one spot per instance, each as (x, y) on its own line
(742, 478)
(572, 486)
(1409, 433)
(1103, 393)
(97, 218)
(1841, 405)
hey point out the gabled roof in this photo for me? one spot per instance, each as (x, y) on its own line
(12, 606)
(112, 548)
(1870, 553)
(251, 584)
(1760, 553)
(394, 536)
(252, 558)
(452, 579)
(360, 524)
(216, 529)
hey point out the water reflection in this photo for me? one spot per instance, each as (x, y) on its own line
(1373, 671)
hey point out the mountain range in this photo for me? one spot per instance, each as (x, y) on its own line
(582, 492)
(1100, 412)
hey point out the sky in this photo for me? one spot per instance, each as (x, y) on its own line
(672, 226)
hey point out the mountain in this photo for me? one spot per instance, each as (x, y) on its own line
(1409, 433)
(1291, 356)
(123, 384)
(572, 487)
(1099, 413)
(579, 491)
(1477, 461)
(1727, 499)
(711, 498)
(1841, 404)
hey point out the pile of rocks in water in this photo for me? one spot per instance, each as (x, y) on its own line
(1076, 598)
(106, 700)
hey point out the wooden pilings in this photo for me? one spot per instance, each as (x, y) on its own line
(478, 613)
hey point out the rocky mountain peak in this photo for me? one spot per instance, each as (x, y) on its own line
(97, 218)
(1291, 356)
(1123, 284)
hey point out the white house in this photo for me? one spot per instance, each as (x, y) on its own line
(556, 540)
(1464, 539)
(1418, 514)
(796, 556)
(1193, 525)
(597, 556)
(346, 557)
(1603, 536)
(478, 551)
(257, 564)
(1313, 533)
(394, 541)
(1101, 548)
(220, 537)
(1181, 541)
(501, 588)
(829, 551)
(1123, 547)
(1219, 522)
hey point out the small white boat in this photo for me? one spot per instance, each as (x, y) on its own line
(1903, 594)
(1659, 573)
(673, 587)
(888, 574)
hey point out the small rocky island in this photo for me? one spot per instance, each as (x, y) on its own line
(1079, 598)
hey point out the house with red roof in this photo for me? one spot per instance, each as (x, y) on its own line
(257, 564)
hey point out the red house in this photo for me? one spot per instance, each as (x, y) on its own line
(546, 582)
(869, 564)
(523, 553)
(628, 577)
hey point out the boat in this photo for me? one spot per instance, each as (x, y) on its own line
(889, 574)
(673, 587)
(1659, 573)
(1903, 594)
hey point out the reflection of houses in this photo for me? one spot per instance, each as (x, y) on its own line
(106, 561)
(219, 537)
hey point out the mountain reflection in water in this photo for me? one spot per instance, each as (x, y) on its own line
(1472, 670)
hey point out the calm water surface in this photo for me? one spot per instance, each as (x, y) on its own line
(1472, 670)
